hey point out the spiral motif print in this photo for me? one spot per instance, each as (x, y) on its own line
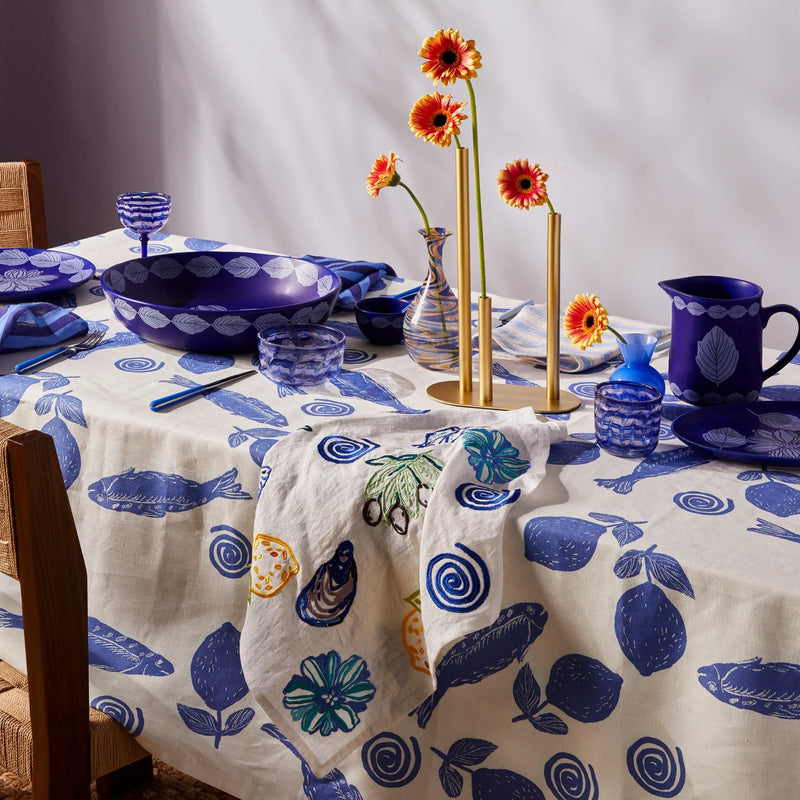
(568, 779)
(327, 408)
(97, 291)
(121, 712)
(702, 503)
(457, 583)
(483, 498)
(138, 365)
(344, 450)
(583, 389)
(654, 767)
(230, 552)
(389, 761)
(358, 356)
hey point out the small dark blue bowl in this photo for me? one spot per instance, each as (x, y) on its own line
(381, 318)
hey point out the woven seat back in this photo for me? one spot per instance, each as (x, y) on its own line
(22, 217)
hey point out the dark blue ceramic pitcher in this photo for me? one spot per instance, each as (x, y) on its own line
(715, 352)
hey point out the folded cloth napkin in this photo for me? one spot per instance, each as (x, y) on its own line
(525, 338)
(399, 524)
(358, 278)
(24, 325)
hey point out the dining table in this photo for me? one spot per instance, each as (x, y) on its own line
(352, 590)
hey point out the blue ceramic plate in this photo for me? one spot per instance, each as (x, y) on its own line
(213, 302)
(27, 274)
(764, 432)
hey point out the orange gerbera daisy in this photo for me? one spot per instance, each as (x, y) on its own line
(522, 185)
(436, 118)
(585, 320)
(448, 57)
(383, 174)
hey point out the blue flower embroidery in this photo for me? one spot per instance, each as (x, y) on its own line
(329, 694)
(493, 457)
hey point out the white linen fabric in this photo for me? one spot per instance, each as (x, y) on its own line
(373, 512)
(525, 338)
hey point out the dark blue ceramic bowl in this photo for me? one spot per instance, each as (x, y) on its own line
(216, 301)
(380, 319)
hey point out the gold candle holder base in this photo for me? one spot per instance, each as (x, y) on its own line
(505, 397)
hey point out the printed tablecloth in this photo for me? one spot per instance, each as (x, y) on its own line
(640, 635)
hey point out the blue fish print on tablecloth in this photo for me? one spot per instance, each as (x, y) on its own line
(332, 786)
(649, 627)
(132, 721)
(358, 384)
(772, 529)
(656, 465)
(487, 783)
(772, 689)
(500, 371)
(236, 403)
(776, 495)
(485, 652)
(122, 339)
(328, 596)
(441, 436)
(218, 679)
(115, 652)
(153, 494)
(201, 363)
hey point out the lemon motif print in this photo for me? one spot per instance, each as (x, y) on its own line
(273, 565)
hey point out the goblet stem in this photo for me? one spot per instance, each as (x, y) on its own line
(144, 239)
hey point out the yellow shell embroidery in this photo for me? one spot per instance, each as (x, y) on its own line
(273, 565)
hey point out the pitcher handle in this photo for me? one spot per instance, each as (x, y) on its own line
(794, 349)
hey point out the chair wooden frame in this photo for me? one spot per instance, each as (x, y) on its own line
(22, 216)
(39, 546)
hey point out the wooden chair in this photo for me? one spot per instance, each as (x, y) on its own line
(22, 219)
(48, 733)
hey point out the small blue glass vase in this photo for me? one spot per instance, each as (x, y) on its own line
(637, 349)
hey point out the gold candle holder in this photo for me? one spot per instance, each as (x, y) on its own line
(464, 288)
(547, 400)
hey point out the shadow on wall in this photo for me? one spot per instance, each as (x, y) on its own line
(91, 76)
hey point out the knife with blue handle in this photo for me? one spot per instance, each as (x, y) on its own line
(186, 394)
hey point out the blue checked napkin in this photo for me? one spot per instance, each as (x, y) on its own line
(525, 338)
(24, 325)
(358, 278)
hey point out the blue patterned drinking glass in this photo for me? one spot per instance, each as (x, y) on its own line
(627, 418)
(301, 354)
(144, 213)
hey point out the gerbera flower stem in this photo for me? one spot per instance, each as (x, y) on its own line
(476, 163)
(419, 206)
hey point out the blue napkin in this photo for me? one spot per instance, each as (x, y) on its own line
(25, 325)
(358, 278)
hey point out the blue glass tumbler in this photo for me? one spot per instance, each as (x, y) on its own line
(627, 418)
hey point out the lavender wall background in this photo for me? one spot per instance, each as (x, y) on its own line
(670, 130)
